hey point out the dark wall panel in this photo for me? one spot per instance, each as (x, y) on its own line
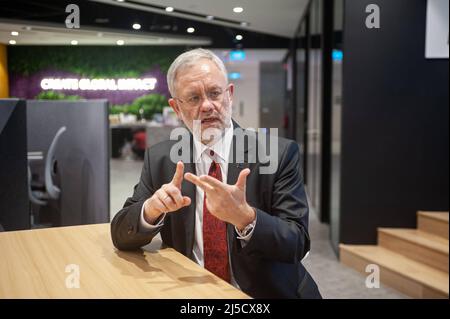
(395, 147)
(14, 209)
(82, 156)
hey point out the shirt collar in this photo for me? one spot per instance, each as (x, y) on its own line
(221, 148)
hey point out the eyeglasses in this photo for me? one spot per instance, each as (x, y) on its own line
(195, 100)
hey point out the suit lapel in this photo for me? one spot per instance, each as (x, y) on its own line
(188, 189)
(233, 173)
(235, 168)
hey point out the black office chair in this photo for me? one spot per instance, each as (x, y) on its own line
(41, 194)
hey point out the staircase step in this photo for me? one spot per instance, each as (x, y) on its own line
(408, 276)
(433, 222)
(416, 244)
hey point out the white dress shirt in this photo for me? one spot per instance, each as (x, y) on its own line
(203, 158)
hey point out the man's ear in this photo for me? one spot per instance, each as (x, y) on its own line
(231, 91)
(173, 103)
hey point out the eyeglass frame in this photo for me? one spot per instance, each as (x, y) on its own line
(186, 101)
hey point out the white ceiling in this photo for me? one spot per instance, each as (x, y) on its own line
(50, 34)
(276, 17)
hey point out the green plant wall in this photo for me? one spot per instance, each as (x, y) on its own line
(91, 61)
(27, 65)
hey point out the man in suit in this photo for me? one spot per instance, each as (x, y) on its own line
(247, 227)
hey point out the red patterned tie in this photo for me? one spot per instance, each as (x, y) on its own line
(215, 249)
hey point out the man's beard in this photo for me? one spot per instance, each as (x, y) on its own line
(209, 135)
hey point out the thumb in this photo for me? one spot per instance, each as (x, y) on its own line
(186, 201)
(178, 176)
(242, 179)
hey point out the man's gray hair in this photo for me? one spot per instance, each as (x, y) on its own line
(188, 59)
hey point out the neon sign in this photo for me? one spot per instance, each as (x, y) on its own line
(130, 84)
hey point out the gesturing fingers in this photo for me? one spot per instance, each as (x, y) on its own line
(197, 181)
(242, 179)
(165, 200)
(174, 193)
(158, 205)
(213, 182)
(178, 176)
(186, 201)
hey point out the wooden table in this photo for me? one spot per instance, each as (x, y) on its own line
(33, 264)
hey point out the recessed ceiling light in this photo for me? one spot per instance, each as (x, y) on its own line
(244, 24)
(136, 26)
(238, 9)
(28, 28)
(239, 37)
(101, 20)
(74, 42)
(120, 42)
(12, 42)
(210, 17)
(15, 33)
(120, 0)
(169, 9)
(99, 34)
(190, 30)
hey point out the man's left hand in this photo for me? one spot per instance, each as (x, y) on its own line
(226, 202)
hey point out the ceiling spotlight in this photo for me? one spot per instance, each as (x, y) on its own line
(209, 17)
(74, 42)
(238, 9)
(101, 20)
(190, 30)
(136, 26)
(169, 9)
(120, 42)
(244, 24)
(14, 33)
(28, 28)
(120, 0)
(12, 42)
(239, 37)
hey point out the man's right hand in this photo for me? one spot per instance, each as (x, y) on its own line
(166, 199)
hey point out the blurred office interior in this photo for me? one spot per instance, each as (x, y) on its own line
(360, 85)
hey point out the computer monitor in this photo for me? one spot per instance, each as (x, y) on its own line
(68, 155)
(14, 205)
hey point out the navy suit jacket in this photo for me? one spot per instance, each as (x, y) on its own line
(269, 265)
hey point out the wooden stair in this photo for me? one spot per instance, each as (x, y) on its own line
(434, 223)
(416, 244)
(413, 261)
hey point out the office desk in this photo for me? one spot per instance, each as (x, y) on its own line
(33, 265)
(120, 133)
